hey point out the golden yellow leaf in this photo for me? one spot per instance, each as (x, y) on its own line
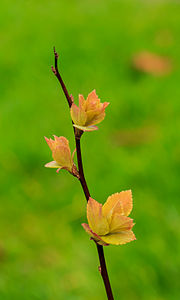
(119, 238)
(95, 237)
(110, 223)
(97, 222)
(120, 223)
(120, 203)
(86, 128)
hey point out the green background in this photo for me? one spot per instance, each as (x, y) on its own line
(44, 252)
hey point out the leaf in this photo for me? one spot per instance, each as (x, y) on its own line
(53, 164)
(61, 140)
(120, 223)
(62, 155)
(119, 238)
(50, 143)
(95, 236)
(90, 112)
(93, 102)
(82, 102)
(78, 115)
(120, 203)
(86, 128)
(97, 222)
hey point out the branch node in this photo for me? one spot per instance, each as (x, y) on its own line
(55, 53)
(54, 70)
(72, 98)
(75, 172)
(78, 133)
(99, 269)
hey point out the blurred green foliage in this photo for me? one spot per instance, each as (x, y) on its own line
(44, 252)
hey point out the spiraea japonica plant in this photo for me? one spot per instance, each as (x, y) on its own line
(108, 224)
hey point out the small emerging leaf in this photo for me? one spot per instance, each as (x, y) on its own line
(89, 113)
(61, 154)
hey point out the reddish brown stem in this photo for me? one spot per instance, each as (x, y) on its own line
(81, 171)
(103, 271)
(56, 72)
(103, 268)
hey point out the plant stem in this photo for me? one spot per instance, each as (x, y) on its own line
(104, 272)
(56, 72)
(103, 268)
(81, 171)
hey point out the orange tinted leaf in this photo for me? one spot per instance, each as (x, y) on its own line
(78, 115)
(90, 112)
(92, 100)
(62, 155)
(61, 140)
(49, 142)
(82, 102)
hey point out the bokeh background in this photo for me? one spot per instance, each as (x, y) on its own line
(44, 252)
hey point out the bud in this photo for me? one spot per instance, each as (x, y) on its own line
(90, 112)
(109, 223)
(61, 154)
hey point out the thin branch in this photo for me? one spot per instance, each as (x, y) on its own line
(103, 271)
(102, 268)
(57, 74)
(81, 171)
